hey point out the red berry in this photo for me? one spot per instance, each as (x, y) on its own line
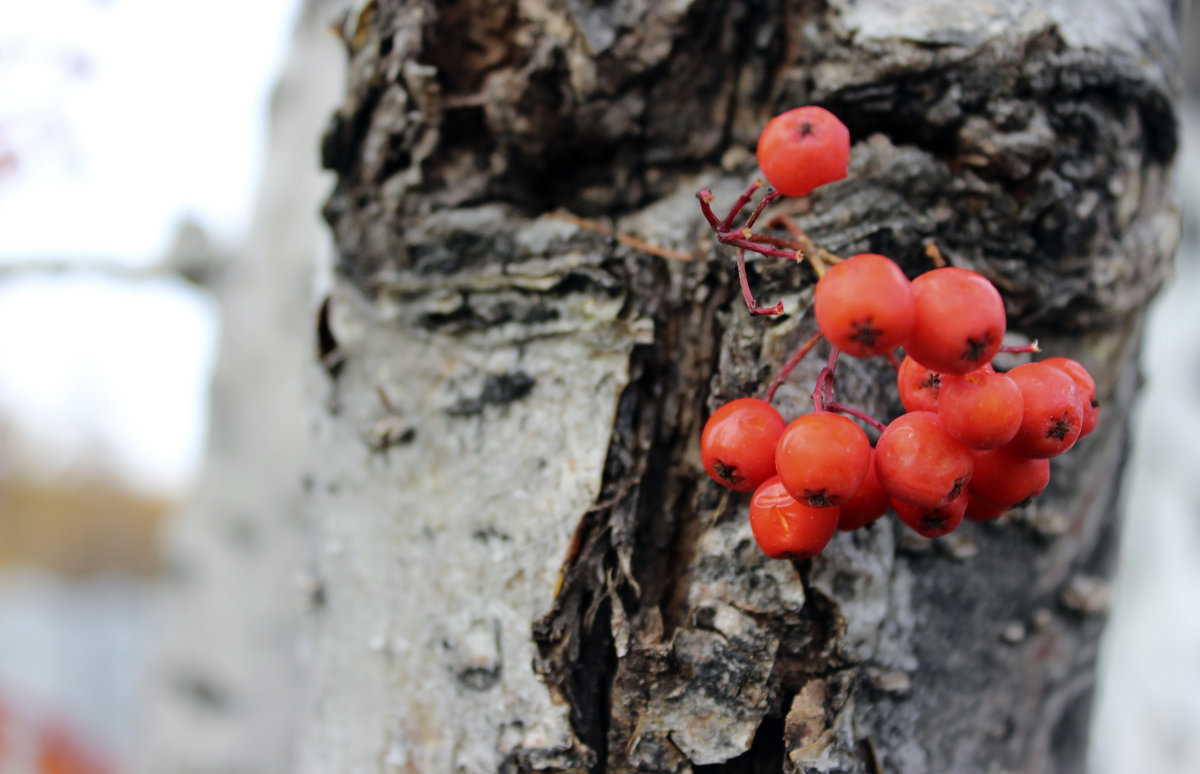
(785, 528)
(1005, 480)
(1053, 413)
(932, 522)
(960, 320)
(864, 305)
(919, 463)
(1086, 384)
(981, 409)
(822, 458)
(737, 446)
(979, 511)
(865, 505)
(919, 386)
(802, 149)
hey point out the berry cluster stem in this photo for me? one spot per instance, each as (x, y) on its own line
(799, 247)
(842, 408)
(823, 396)
(1021, 349)
(792, 362)
(751, 304)
(823, 391)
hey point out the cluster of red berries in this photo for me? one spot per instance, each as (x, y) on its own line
(973, 442)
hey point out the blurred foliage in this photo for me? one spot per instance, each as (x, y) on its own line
(79, 526)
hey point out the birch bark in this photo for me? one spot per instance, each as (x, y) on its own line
(520, 565)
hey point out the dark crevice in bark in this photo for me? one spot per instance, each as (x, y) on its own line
(590, 683)
(574, 641)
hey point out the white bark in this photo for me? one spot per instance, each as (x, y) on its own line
(222, 684)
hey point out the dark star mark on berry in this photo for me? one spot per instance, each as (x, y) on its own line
(933, 521)
(1095, 403)
(1060, 427)
(817, 499)
(976, 347)
(865, 332)
(1029, 498)
(957, 490)
(805, 129)
(727, 473)
(934, 382)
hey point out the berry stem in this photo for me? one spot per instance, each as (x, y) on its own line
(742, 240)
(841, 408)
(751, 304)
(705, 195)
(935, 255)
(792, 362)
(770, 196)
(774, 241)
(823, 391)
(737, 207)
(1020, 349)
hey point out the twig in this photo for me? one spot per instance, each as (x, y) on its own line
(625, 239)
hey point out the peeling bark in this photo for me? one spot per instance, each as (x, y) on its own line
(539, 577)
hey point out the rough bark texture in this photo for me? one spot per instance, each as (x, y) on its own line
(522, 566)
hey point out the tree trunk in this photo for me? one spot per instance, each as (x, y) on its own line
(222, 681)
(521, 564)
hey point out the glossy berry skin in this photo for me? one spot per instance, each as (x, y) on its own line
(867, 504)
(737, 445)
(919, 387)
(1053, 413)
(982, 410)
(822, 458)
(1086, 384)
(960, 320)
(803, 148)
(785, 528)
(979, 511)
(919, 463)
(1005, 480)
(932, 522)
(864, 305)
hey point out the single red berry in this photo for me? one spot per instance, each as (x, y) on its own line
(979, 511)
(867, 504)
(822, 458)
(1053, 411)
(864, 305)
(737, 446)
(932, 522)
(1006, 480)
(785, 528)
(1086, 384)
(803, 148)
(960, 320)
(919, 463)
(919, 386)
(981, 409)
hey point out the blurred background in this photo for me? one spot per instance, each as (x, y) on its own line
(129, 196)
